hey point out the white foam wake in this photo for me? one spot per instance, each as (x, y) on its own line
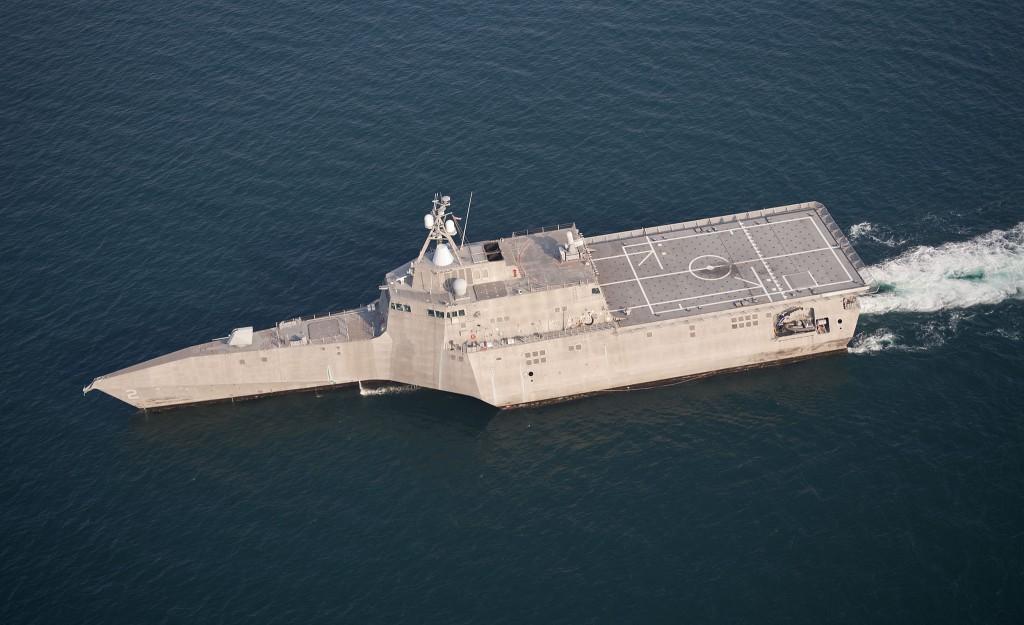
(920, 337)
(877, 341)
(387, 389)
(866, 230)
(987, 269)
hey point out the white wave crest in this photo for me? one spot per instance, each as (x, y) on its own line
(987, 269)
(1010, 335)
(929, 335)
(866, 230)
(872, 342)
(388, 389)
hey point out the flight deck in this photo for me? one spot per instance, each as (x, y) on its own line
(729, 262)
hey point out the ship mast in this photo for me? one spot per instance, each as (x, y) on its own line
(441, 225)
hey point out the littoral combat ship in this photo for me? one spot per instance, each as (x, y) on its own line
(548, 314)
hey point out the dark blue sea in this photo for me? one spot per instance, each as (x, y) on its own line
(172, 170)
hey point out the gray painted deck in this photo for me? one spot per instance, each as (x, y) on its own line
(737, 261)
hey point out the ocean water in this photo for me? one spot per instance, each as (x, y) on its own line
(171, 170)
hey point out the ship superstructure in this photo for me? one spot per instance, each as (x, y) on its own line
(548, 314)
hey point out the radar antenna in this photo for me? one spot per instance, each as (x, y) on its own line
(442, 226)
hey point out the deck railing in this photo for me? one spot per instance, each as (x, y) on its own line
(711, 223)
(520, 233)
(526, 339)
(840, 237)
(302, 322)
(533, 286)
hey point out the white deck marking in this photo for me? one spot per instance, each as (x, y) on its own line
(761, 282)
(802, 271)
(771, 274)
(849, 278)
(699, 234)
(622, 255)
(728, 301)
(687, 294)
(745, 280)
(638, 283)
(662, 267)
(610, 257)
(739, 262)
(686, 299)
(722, 231)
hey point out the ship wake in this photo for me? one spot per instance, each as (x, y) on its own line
(946, 280)
(368, 390)
(916, 338)
(987, 269)
(867, 231)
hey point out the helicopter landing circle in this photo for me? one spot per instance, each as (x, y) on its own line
(710, 267)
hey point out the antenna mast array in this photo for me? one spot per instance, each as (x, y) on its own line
(465, 224)
(441, 225)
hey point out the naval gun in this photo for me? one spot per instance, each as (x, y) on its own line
(792, 321)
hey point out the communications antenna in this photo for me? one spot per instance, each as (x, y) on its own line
(441, 226)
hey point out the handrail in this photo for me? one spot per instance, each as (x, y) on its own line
(366, 307)
(476, 346)
(520, 233)
(712, 222)
(840, 237)
(706, 222)
(536, 287)
(513, 287)
(280, 340)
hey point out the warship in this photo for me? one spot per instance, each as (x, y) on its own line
(548, 314)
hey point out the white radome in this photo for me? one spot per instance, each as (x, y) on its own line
(240, 337)
(443, 256)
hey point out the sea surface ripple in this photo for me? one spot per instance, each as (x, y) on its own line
(171, 170)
